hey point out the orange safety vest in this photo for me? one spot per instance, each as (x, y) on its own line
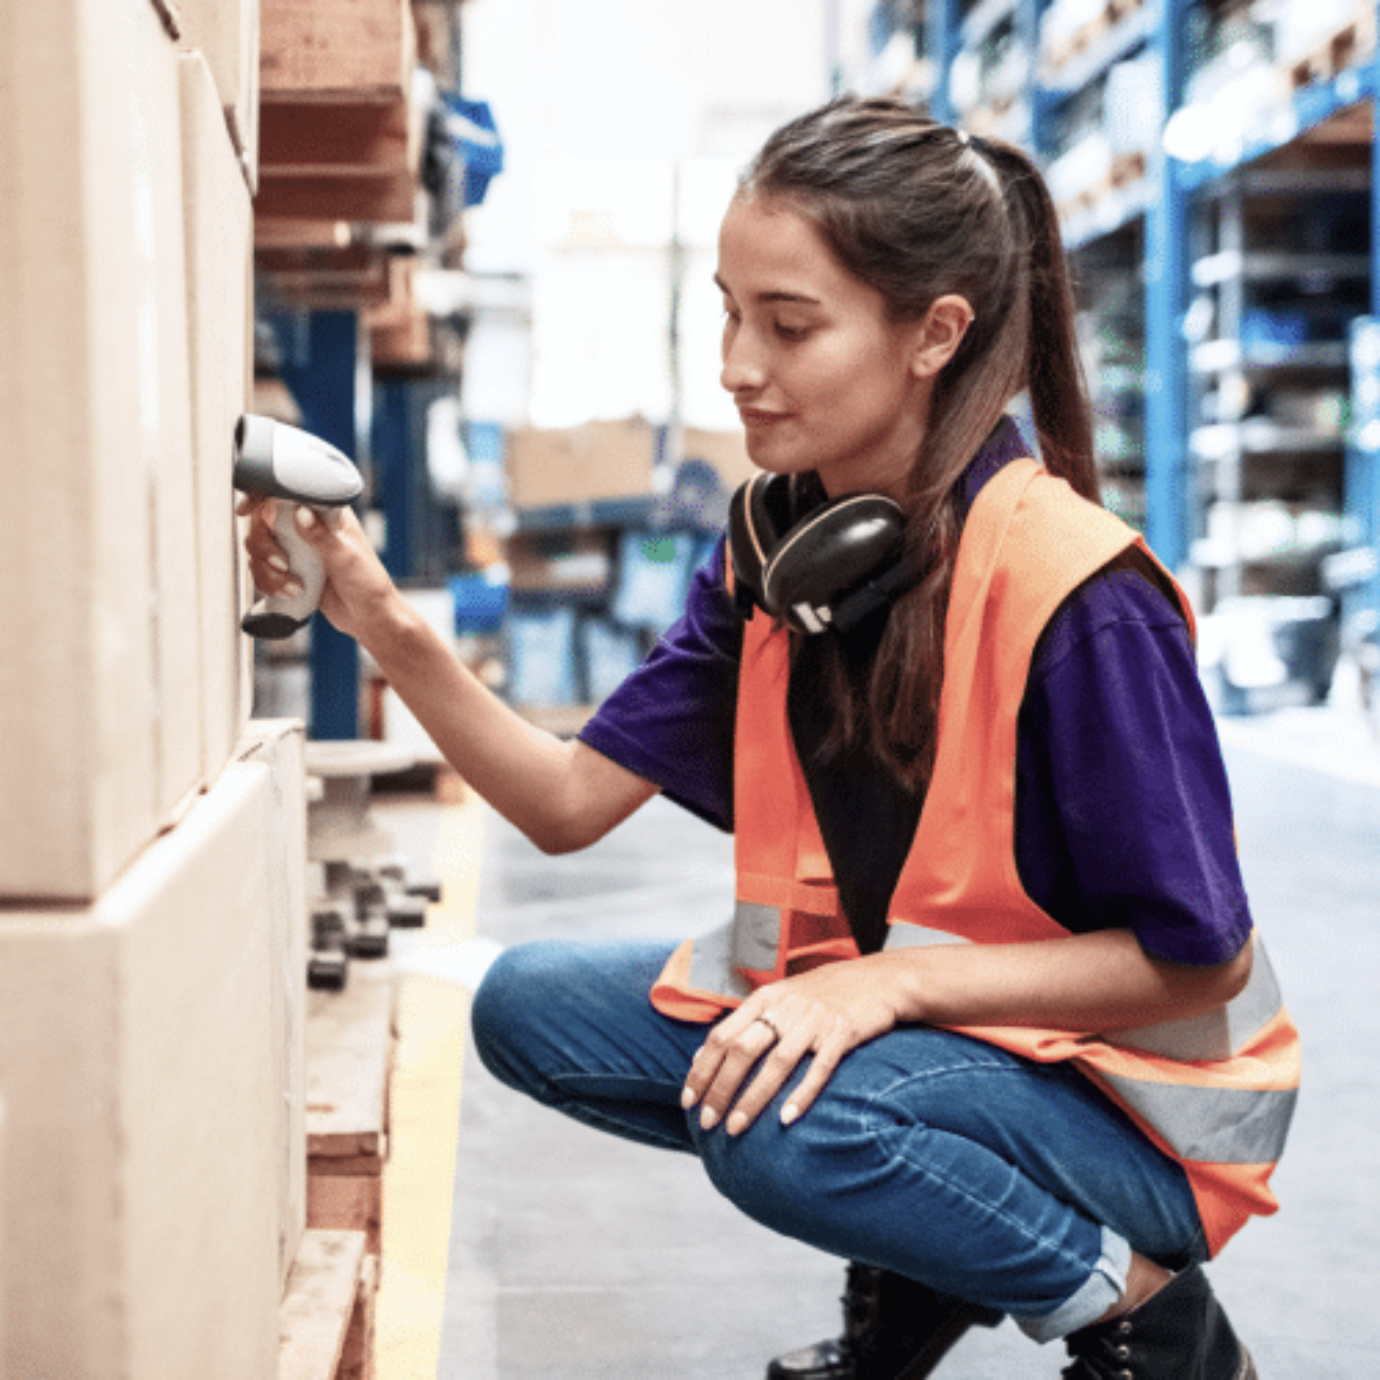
(1216, 1091)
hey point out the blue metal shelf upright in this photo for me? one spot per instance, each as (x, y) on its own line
(1166, 301)
(321, 368)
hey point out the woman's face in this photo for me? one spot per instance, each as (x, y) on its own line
(823, 379)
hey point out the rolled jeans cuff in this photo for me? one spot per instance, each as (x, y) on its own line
(1099, 1292)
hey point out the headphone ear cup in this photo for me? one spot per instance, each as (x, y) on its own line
(832, 552)
(752, 537)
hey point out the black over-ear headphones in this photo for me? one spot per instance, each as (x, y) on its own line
(815, 562)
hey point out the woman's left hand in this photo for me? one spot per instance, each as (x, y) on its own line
(824, 1013)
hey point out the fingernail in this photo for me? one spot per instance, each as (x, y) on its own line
(278, 563)
(709, 1119)
(293, 588)
(789, 1113)
(737, 1124)
(306, 519)
(688, 1098)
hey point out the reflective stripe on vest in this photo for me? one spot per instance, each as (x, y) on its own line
(1211, 1037)
(746, 943)
(1220, 1125)
(1215, 1035)
(1212, 1125)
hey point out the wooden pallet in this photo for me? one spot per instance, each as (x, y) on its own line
(350, 1043)
(326, 1321)
(1348, 46)
(340, 136)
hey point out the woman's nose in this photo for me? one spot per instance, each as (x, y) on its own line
(744, 369)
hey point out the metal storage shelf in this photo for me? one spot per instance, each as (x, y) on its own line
(1318, 106)
(984, 17)
(1120, 41)
(1210, 556)
(1111, 213)
(1257, 436)
(1278, 266)
(1307, 109)
(627, 512)
(1219, 356)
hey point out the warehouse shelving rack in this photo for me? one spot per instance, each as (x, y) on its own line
(1154, 206)
(1267, 387)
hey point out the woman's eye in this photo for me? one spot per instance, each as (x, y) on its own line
(791, 332)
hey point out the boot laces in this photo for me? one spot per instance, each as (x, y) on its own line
(1101, 1353)
(862, 1307)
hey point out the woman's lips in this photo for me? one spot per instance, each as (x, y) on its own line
(759, 417)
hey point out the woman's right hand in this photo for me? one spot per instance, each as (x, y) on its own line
(358, 594)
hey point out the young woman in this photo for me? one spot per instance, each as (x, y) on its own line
(990, 1020)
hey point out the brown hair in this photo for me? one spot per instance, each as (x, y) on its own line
(918, 211)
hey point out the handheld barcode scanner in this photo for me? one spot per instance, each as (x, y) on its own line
(273, 460)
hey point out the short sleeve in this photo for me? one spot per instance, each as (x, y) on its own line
(1124, 815)
(672, 720)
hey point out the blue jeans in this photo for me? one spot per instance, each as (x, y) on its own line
(983, 1175)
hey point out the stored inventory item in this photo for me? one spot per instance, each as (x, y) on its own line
(273, 460)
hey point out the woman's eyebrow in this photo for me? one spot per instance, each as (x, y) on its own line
(799, 298)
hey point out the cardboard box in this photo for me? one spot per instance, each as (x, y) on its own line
(142, 1084)
(280, 744)
(99, 717)
(219, 234)
(226, 32)
(586, 464)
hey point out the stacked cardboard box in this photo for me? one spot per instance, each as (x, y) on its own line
(137, 1054)
(605, 460)
(98, 716)
(279, 744)
(152, 843)
(219, 230)
(226, 32)
(122, 693)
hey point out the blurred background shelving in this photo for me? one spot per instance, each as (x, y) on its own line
(536, 368)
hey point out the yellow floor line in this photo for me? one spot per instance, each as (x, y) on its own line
(419, 1178)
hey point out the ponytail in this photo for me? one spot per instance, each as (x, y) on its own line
(1054, 376)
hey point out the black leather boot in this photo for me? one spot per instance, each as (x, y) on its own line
(1179, 1334)
(893, 1329)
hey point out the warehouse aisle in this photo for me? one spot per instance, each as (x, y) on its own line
(575, 1256)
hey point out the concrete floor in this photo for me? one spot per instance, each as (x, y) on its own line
(575, 1256)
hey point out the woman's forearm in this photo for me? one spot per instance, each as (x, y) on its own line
(1088, 983)
(562, 794)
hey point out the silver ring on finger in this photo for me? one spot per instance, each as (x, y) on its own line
(770, 1025)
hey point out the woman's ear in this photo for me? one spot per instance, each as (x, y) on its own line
(940, 333)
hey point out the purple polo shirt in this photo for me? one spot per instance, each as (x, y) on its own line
(1123, 816)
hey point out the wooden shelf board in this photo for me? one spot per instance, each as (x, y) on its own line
(353, 51)
(375, 199)
(349, 1056)
(313, 140)
(323, 1294)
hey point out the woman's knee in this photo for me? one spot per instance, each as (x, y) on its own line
(770, 1171)
(516, 993)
